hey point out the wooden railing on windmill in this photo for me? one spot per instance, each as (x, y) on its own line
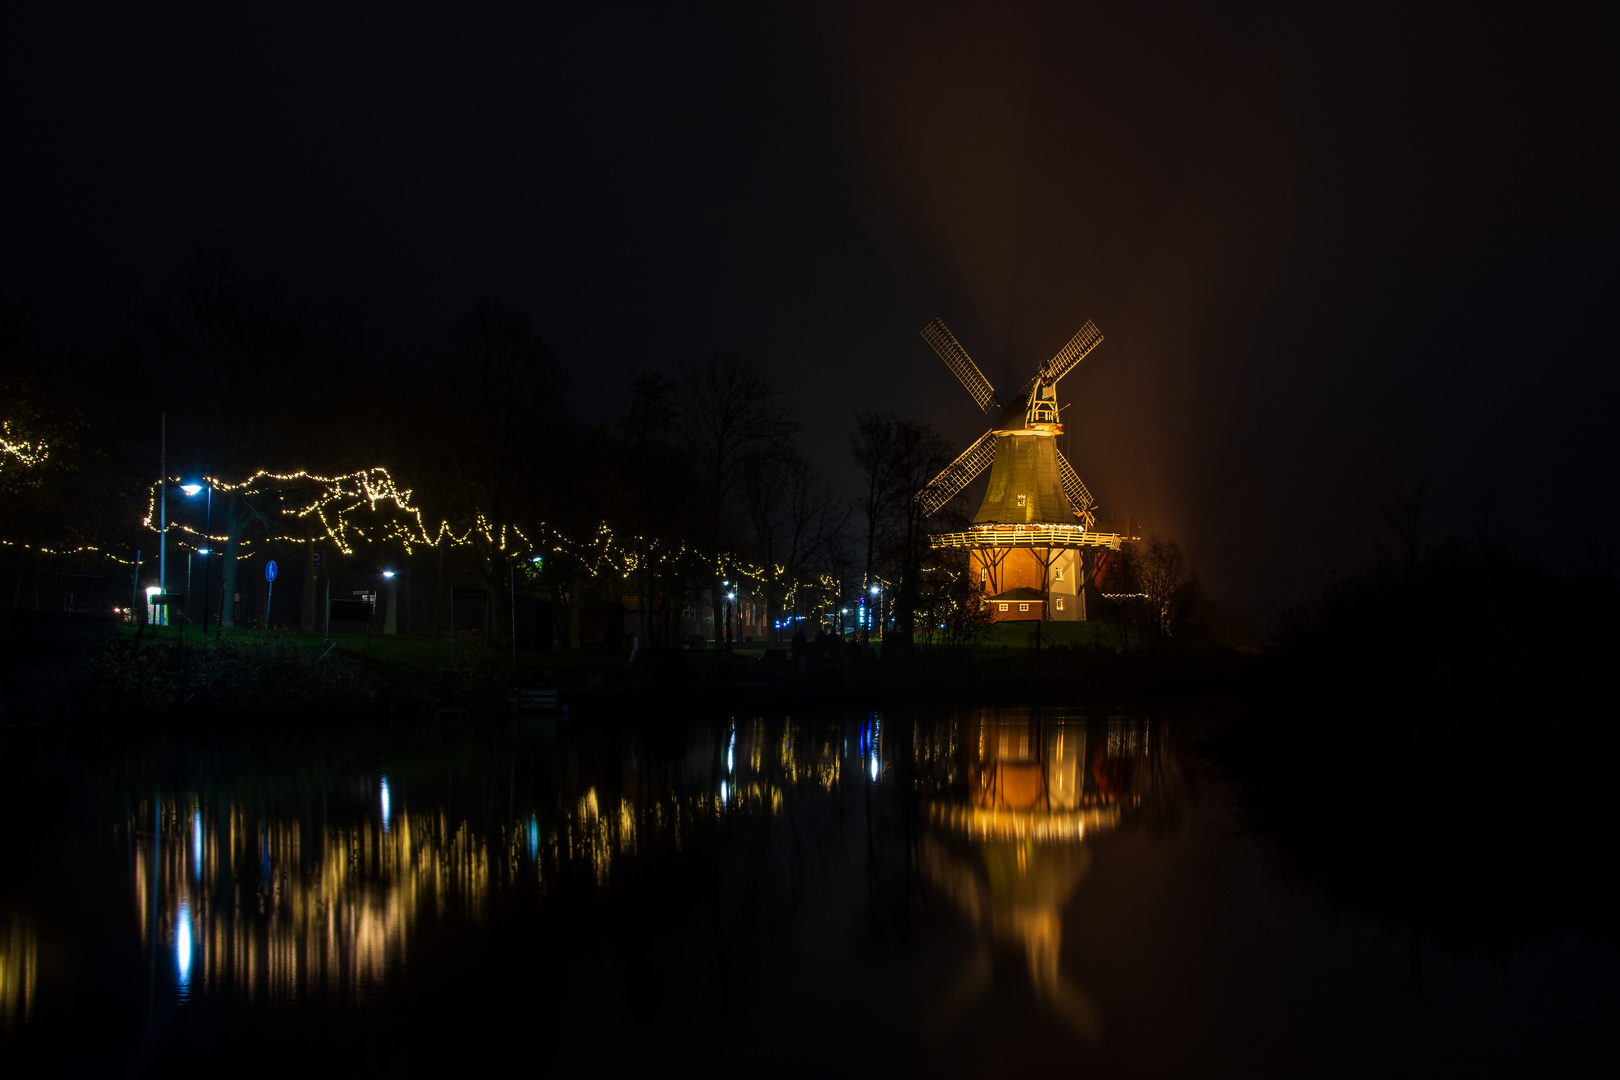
(1033, 542)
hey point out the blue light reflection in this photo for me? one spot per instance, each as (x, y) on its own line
(182, 947)
(385, 804)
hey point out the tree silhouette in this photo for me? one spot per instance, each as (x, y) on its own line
(730, 419)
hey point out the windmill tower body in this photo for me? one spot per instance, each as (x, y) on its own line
(1032, 545)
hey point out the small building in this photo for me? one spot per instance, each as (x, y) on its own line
(1017, 604)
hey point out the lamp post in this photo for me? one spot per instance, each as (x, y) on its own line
(725, 632)
(391, 617)
(208, 526)
(163, 509)
(877, 591)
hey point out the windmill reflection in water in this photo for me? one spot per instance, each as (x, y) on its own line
(1040, 784)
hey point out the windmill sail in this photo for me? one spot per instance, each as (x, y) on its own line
(958, 474)
(1071, 354)
(961, 365)
(1075, 489)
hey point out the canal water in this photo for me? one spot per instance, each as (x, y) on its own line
(976, 893)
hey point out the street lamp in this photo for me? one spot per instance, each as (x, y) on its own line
(391, 617)
(208, 526)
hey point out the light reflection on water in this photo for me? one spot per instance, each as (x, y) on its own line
(19, 970)
(957, 894)
(274, 909)
(182, 947)
(317, 897)
(1011, 852)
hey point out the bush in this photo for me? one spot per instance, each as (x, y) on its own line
(1434, 738)
(257, 675)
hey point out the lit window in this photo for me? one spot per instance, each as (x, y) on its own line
(1023, 607)
(1022, 499)
(1059, 574)
(1003, 607)
(1060, 603)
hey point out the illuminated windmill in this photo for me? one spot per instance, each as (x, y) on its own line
(1032, 542)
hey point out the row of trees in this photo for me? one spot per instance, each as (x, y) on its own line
(695, 480)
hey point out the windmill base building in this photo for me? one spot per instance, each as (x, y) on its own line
(1033, 545)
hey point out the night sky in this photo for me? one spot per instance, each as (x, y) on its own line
(1332, 255)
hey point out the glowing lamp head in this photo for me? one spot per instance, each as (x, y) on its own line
(191, 489)
(202, 551)
(874, 590)
(388, 573)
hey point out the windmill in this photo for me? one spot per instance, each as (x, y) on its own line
(1035, 504)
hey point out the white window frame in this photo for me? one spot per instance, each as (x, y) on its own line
(1023, 607)
(1003, 607)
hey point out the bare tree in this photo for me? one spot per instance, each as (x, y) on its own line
(872, 447)
(795, 515)
(498, 406)
(730, 419)
(920, 454)
(232, 355)
(1156, 589)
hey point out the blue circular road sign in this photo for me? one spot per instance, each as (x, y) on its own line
(270, 570)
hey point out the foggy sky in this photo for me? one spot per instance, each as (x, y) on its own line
(1331, 254)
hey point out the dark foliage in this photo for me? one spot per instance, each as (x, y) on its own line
(1435, 740)
(265, 675)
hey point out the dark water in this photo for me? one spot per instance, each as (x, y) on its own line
(970, 893)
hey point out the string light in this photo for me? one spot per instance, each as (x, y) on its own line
(342, 504)
(81, 550)
(27, 454)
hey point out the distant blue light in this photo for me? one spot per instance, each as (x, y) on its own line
(534, 839)
(385, 803)
(196, 843)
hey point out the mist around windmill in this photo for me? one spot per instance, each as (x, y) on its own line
(820, 539)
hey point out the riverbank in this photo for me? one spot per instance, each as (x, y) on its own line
(159, 672)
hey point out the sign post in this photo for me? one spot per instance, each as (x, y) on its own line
(270, 591)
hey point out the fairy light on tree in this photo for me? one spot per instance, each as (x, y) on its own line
(18, 452)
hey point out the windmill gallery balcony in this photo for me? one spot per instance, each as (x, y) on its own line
(991, 535)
